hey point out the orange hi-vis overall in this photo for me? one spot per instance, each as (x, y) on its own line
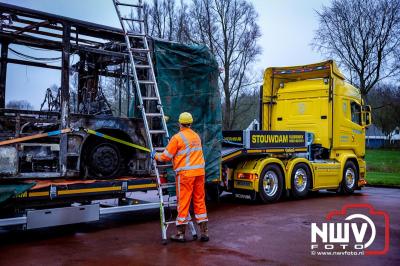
(184, 149)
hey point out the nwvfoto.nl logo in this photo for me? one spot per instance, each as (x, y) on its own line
(351, 231)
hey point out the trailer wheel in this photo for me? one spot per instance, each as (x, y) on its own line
(350, 178)
(104, 160)
(301, 180)
(270, 184)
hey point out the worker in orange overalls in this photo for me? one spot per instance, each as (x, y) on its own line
(185, 151)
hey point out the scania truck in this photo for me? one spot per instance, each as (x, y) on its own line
(311, 136)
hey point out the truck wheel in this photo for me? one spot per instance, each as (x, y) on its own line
(350, 178)
(270, 184)
(301, 180)
(104, 161)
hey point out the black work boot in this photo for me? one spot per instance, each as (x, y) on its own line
(204, 232)
(180, 235)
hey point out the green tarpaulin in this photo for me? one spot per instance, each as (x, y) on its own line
(187, 77)
(10, 190)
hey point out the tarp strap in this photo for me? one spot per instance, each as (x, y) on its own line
(68, 130)
(130, 144)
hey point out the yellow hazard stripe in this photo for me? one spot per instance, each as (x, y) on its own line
(87, 190)
(90, 190)
(142, 186)
(38, 194)
(130, 144)
(231, 155)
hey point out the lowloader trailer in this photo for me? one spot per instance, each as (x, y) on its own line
(311, 137)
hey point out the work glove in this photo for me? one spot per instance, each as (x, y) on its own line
(153, 154)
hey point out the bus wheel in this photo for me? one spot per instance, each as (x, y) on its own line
(104, 160)
(301, 180)
(270, 184)
(350, 178)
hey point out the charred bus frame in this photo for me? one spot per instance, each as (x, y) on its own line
(71, 155)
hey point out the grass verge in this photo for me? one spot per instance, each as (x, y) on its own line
(383, 167)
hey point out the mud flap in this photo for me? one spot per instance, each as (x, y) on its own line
(244, 194)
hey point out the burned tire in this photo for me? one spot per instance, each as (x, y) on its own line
(103, 161)
(350, 178)
(270, 184)
(300, 180)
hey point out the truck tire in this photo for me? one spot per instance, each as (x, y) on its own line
(103, 161)
(300, 180)
(350, 178)
(270, 184)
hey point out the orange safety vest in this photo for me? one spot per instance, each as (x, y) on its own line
(185, 150)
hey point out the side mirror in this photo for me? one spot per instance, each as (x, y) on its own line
(366, 115)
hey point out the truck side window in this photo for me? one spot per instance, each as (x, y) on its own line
(355, 112)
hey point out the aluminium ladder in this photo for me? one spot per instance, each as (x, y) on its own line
(137, 47)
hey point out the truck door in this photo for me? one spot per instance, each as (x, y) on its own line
(351, 131)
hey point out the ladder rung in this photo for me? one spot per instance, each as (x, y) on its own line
(167, 185)
(138, 50)
(170, 222)
(153, 114)
(126, 4)
(146, 82)
(160, 131)
(142, 66)
(135, 34)
(164, 165)
(149, 98)
(132, 19)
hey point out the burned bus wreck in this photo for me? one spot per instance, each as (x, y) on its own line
(103, 99)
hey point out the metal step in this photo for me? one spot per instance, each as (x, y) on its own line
(168, 185)
(153, 114)
(157, 131)
(140, 50)
(132, 19)
(142, 66)
(164, 165)
(146, 82)
(130, 5)
(149, 98)
(132, 34)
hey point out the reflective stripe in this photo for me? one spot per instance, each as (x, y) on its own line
(185, 140)
(198, 216)
(190, 167)
(202, 221)
(179, 192)
(185, 151)
(166, 153)
(182, 152)
(179, 222)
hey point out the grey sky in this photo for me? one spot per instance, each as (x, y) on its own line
(287, 28)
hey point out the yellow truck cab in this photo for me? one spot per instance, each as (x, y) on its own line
(311, 137)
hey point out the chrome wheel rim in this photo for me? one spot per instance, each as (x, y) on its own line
(350, 177)
(270, 183)
(300, 179)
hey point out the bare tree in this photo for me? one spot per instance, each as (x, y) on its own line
(385, 102)
(230, 29)
(364, 36)
(166, 20)
(19, 104)
(227, 27)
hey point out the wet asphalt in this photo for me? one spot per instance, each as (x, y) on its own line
(241, 233)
